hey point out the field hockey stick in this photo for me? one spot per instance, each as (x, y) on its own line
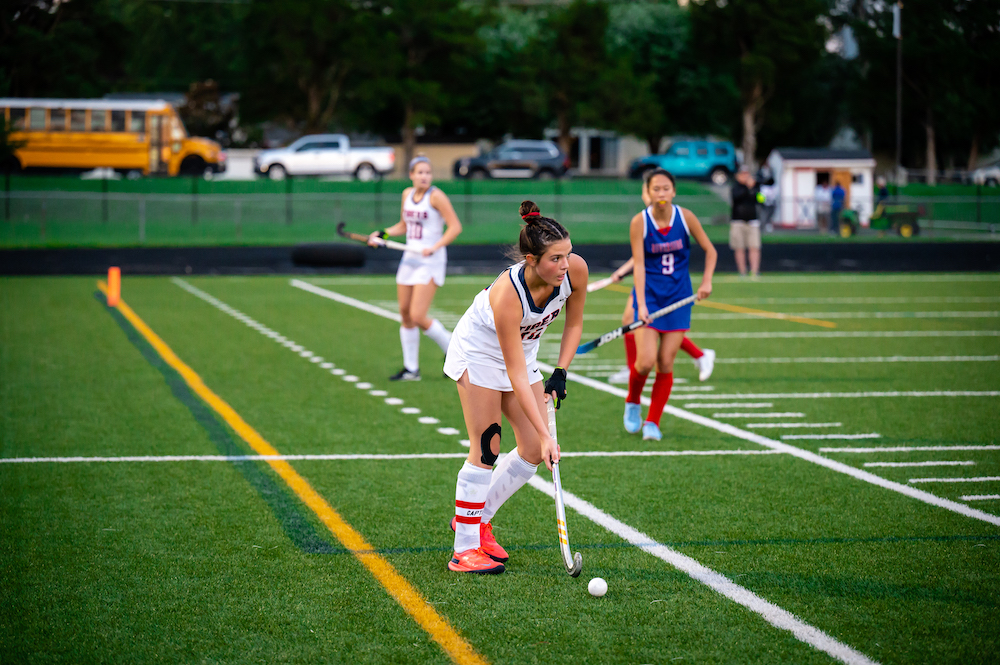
(618, 332)
(600, 284)
(573, 562)
(391, 244)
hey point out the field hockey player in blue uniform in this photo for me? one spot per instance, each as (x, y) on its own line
(661, 247)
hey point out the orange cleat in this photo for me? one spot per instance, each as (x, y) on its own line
(474, 561)
(487, 543)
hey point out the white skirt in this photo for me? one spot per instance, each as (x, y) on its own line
(415, 269)
(456, 364)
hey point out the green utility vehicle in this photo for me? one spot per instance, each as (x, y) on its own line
(899, 218)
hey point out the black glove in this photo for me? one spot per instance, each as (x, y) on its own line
(557, 384)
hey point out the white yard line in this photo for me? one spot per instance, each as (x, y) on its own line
(790, 437)
(731, 405)
(863, 394)
(773, 444)
(788, 425)
(859, 360)
(980, 479)
(881, 278)
(907, 449)
(981, 497)
(765, 414)
(840, 333)
(774, 615)
(862, 300)
(365, 456)
(908, 464)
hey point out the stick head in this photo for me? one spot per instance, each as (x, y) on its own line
(574, 570)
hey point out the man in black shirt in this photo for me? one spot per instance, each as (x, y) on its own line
(744, 227)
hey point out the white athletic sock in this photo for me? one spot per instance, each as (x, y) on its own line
(409, 338)
(439, 334)
(470, 497)
(509, 476)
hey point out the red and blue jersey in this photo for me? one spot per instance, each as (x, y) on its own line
(667, 252)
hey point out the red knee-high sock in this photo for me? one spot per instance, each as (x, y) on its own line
(661, 393)
(630, 350)
(636, 382)
(689, 347)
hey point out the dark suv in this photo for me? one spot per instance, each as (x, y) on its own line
(515, 159)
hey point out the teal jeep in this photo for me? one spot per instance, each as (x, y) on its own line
(692, 158)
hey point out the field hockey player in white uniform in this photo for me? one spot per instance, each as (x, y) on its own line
(492, 357)
(430, 224)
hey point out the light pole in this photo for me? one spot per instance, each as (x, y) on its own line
(897, 32)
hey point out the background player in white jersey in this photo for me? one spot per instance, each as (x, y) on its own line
(492, 357)
(430, 224)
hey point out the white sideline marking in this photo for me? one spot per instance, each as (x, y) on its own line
(830, 436)
(869, 359)
(877, 278)
(980, 497)
(891, 393)
(905, 464)
(765, 414)
(347, 300)
(980, 479)
(906, 449)
(726, 428)
(800, 453)
(693, 389)
(368, 456)
(789, 425)
(730, 405)
(774, 615)
(844, 333)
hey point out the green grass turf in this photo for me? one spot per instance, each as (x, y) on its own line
(211, 561)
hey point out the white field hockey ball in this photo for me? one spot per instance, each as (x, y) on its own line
(597, 587)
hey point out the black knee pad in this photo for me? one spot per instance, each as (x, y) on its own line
(488, 456)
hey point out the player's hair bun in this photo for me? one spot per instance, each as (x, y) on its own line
(529, 211)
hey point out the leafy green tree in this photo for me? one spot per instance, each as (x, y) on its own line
(59, 49)
(763, 43)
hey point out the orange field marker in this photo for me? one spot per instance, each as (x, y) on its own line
(114, 286)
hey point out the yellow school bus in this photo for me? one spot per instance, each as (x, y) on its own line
(136, 137)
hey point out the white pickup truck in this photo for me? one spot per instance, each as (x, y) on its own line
(325, 154)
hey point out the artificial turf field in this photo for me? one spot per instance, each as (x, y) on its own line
(727, 543)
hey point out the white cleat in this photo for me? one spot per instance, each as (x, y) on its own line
(621, 376)
(705, 364)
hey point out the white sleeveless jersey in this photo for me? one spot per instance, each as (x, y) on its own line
(424, 224)
(476, 332)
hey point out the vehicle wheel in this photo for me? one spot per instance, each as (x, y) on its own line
(208, 173)
(545, 174)
(276, 172)
(992, 182)
(193, 165)
(846, 230)
(719, 176)
(10, 165)
(907, 229)
(478, 174)
(366, 173)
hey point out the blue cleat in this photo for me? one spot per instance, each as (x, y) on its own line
(651, 432)
(633, 417)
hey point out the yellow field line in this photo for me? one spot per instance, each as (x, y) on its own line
(743, 310)
(765, 314)
(398, 587)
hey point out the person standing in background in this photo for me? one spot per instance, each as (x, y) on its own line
(744, 227)
(836, 206)
(823, 201)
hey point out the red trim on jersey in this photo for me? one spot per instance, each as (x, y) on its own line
(469, 505)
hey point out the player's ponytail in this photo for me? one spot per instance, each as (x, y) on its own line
(537, 233)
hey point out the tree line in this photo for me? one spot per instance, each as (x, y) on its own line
(761, 73)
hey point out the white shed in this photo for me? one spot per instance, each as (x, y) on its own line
(797, 171)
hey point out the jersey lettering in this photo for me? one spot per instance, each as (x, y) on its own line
(414, 230)
(535, 330)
